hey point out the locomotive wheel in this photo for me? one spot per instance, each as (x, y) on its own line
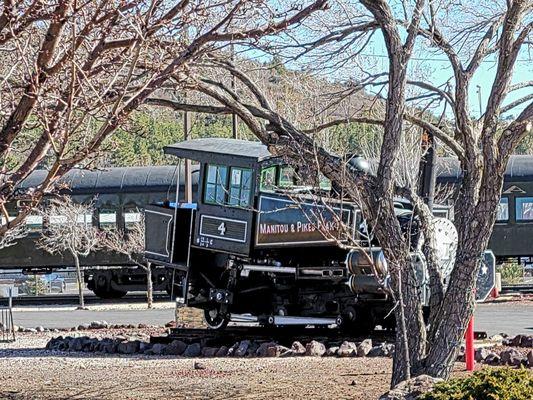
(360, 323)
(110, 293)
(215, 318)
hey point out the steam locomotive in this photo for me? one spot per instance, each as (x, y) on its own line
(258, 246)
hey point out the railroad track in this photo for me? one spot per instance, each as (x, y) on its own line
(281, 335)
(526, 288)
(72, 299)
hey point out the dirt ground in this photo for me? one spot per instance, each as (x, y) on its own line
(27, 372)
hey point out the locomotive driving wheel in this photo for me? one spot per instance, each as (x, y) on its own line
(217, 317)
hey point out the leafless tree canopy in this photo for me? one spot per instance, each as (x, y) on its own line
(69, 228)
(70, 232)
(72, 72)
(11, 236)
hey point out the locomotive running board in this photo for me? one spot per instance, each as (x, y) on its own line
(284, 320)
(288, 320)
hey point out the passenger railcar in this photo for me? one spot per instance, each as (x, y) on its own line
(119, 196)
(512, 237)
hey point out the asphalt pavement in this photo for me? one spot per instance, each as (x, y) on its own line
(511, 318)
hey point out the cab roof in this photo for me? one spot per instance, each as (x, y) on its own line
(221, 150)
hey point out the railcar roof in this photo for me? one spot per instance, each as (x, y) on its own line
(113, 180)
(519, 167)
(204, 149)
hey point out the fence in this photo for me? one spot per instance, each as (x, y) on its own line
(7, 328)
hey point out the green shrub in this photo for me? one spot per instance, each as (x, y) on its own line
(487, 384)
(511, 272)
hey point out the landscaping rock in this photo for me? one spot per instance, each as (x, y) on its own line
(276, 351)
(222, 352)
(378, 351)
(412, 388)
(364, 347)
(175, 348)
(332, 351)
(158, 348)
(143, 346)
(209, 351)
(492, 359)
(527, 341)
(530, 359)
(252, 349)
(315, 349)
(517, 340)
(347, 349)
(193, 350)
(298, 348)
(242, 348)
(39, 329)
(262, 349)
(232, 349)
(481, 353)
(128, 347)
(496, 338)
(511, 357)
(98, 325)
(197, 365)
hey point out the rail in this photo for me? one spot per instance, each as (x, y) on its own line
(72, 299)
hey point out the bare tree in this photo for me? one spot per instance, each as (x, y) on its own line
(72, 72)
(69, 230)
(12, 235)
(131, 244)
(483, 146)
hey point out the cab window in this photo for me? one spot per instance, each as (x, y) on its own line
(286, 177)
(216, 184)
(268, 179)
(230, 186)
(240, 187)
(503, 210)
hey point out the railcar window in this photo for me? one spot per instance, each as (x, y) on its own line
(268, 179)
(58, 219)
(503, 210)
(34, 223)
(240, 187)
(524, 208)
(216, 184)
(131, 217)
(107, 218)
(85, 219)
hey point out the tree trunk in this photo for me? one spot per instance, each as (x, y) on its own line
(149, 285)
(79, 278)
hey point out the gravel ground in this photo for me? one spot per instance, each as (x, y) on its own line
(27, 372)
(30, 373)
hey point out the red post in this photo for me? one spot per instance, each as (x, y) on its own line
(469, 351)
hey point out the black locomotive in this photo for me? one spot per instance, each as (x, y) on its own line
(248, 250)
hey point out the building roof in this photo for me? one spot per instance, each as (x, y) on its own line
(209, 149)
